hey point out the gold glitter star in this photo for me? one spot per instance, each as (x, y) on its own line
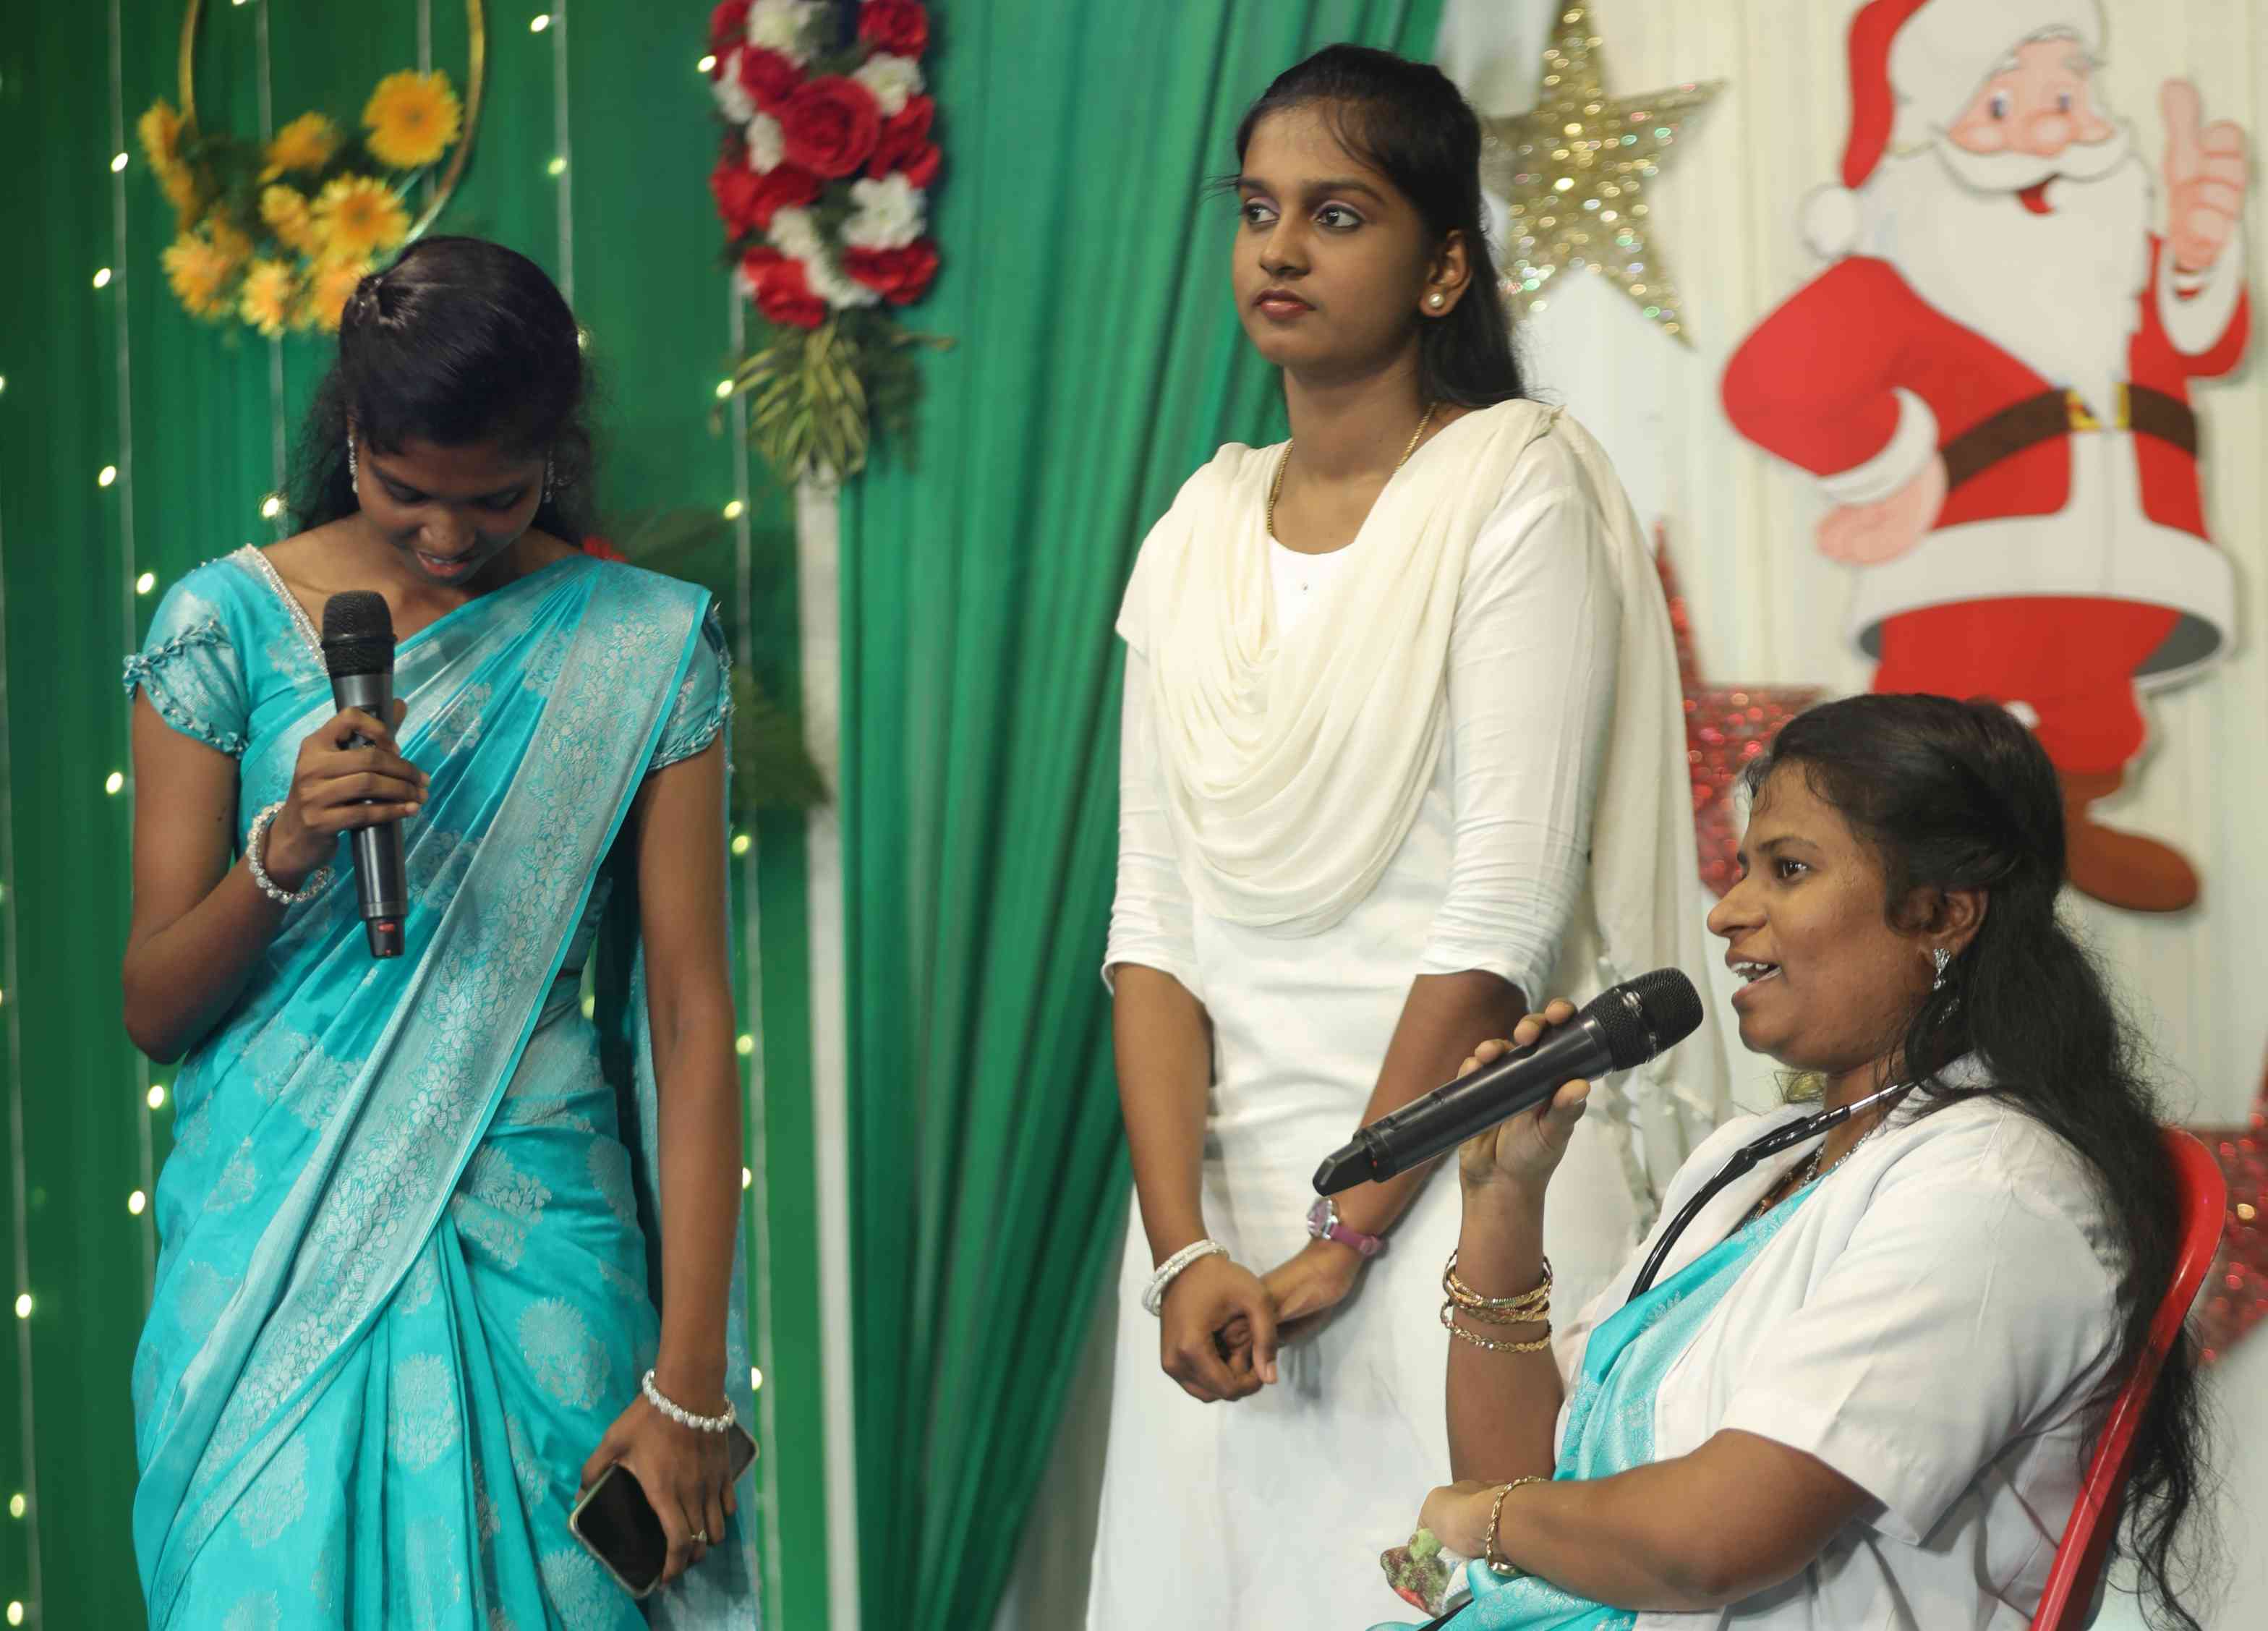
(1573, 169)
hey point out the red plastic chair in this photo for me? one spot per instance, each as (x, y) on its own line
(2069, 1596)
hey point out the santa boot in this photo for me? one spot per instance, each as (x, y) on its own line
(2118, 869)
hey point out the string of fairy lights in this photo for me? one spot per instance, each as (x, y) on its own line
(129, 621)
(23, 1505)
(752, 964)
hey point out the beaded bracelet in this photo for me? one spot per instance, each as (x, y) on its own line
(683, 1417)
(1489, 1555)
(1153, 1298)
(256, 843)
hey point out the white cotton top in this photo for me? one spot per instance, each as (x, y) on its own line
(1491, 871)
(1930, 1325)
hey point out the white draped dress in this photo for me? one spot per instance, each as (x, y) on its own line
(1272, 1510)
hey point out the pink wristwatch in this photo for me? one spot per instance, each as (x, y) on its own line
(1323, 1224)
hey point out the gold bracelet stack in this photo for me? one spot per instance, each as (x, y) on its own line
(1489, 1555)
(1529, 1308)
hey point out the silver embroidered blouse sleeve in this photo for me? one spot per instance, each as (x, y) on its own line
(191, 672)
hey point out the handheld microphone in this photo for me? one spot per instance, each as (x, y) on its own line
(1623, 1026)
(359, 650)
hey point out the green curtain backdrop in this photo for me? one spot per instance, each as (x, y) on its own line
(1099, 361)
(187, 415)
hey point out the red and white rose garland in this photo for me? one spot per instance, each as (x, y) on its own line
(823, 188)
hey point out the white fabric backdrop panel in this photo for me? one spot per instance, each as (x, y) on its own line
(1767, 607)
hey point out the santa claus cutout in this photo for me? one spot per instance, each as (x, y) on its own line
(1991, 382)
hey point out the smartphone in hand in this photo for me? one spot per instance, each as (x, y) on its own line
(616, 1524)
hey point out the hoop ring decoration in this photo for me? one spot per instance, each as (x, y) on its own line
(477, 27)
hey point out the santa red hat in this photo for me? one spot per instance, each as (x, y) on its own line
(1915, 65)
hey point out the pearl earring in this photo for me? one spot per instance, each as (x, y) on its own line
(1943, 959)
(1435, 300)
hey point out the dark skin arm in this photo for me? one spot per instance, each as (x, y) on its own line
(680, 837)
(1687, 1535)
(201, 924)
(1163, 1041)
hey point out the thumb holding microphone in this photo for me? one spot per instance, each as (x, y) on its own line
(1524, 1150)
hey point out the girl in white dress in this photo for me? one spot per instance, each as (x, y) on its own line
(1402, 747)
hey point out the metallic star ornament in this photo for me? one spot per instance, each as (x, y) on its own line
(1573, 170)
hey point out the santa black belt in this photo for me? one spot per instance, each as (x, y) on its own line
(2053, 414)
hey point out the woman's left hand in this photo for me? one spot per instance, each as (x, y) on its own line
(1303, 1286)
(1315, 1281)
(1458, 1515)
(685, 1474)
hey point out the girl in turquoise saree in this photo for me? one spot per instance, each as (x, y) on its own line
(426, 1225)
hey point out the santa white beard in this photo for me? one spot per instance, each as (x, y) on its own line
(2060, 291)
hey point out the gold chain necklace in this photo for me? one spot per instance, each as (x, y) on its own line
(1809, 1172)
(1276, 486)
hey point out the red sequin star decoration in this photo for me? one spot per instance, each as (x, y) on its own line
(2235, 1295)
(1726, 727)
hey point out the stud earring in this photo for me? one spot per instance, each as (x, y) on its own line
(1943, 959)
(1435, 299)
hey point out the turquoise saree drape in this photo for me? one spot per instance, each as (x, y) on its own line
(1610, 1420)
(408, 1225)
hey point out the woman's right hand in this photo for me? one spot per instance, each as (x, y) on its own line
(1522, 1153)
(1204, 1299)
(330, 784)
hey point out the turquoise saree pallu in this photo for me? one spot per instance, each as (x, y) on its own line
(410, 1228)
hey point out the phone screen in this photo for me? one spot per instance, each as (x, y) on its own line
(618, 1523)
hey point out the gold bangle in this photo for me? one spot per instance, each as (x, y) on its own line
(1449, 1324)
(1494, 1559)
(1541, 1313)
(1528, 1305)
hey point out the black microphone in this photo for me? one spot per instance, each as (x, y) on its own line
(1623, 1026)
(359, 650)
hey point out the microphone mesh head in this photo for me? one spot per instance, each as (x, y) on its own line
(357, 633)
(1668, 1010)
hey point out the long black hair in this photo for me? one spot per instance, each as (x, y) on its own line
(1409, 123)
(1958, 795)
(458, 341)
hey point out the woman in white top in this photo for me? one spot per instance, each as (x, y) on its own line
(1397, 692)
(1863, 1387)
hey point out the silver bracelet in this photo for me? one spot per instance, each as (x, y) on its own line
(255, 844)
(1153, 1299)
(683, 1417)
